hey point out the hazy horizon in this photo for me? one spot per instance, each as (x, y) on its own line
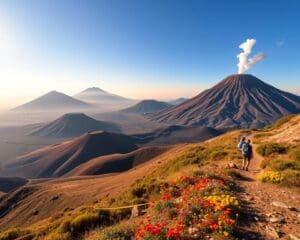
(141, 50)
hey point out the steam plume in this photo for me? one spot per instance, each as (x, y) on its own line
(245, 63)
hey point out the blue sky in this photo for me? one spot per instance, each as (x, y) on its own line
(142, 49)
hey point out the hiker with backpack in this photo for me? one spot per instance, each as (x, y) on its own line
(247, 154)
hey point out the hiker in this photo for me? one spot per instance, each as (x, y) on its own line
(241, 142)
(247, 154)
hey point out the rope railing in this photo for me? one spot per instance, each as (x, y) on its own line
(123, 207)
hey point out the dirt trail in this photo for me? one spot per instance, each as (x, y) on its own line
(260, 218)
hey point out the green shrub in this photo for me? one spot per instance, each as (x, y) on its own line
(138, 191)
(84, 222)
(59, 236)
(268, 149)
(270, 177)
(163, 205)
(291, 178)
(87, 221)
(119, 214)
(12, 233)
(195, 155)
(281, 164)
(118, 232)
(64, 227)
(294, 153)
(217, 153)
(145, 188)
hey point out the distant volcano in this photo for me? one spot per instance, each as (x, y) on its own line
(238, 101)
(178, 101)
(99, 96)
(53, 101)
(72, 125)
(148, 106)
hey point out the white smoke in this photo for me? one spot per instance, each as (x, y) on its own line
(245, 63)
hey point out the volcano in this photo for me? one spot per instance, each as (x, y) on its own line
(53, 101)
(99, 96)
(147, 106)
(73, 125)
(238, 101)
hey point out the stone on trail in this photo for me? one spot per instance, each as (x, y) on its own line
(279, 204)
(276, 220)
(293, 237)
(272, 232)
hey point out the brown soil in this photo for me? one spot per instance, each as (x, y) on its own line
(258, 212)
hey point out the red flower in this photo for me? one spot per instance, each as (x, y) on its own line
(213, 226)
(174, 232)
(153, 229)
(166, 196)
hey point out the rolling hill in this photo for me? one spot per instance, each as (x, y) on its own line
(238, 101)
(57, 160)
(117, 162)
(73, 125)
(19, 207)
(285, 130)
(147, 106)
(11, 183)
(176, 134)
(53, 101)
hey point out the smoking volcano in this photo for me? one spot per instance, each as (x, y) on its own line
(238, 101)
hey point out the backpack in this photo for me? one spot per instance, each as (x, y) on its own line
(246, 149)
(240, 144)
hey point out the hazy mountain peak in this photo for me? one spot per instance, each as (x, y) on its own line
(53, 100)
(148, 106)
(97, 95)
(93, 90)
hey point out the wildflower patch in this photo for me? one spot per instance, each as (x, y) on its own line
(271, 177)
(190, 208)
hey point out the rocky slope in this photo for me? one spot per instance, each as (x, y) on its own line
(238, 101)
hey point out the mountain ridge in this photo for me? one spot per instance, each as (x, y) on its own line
(52, 100)
(58, 159)
(238, 101)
